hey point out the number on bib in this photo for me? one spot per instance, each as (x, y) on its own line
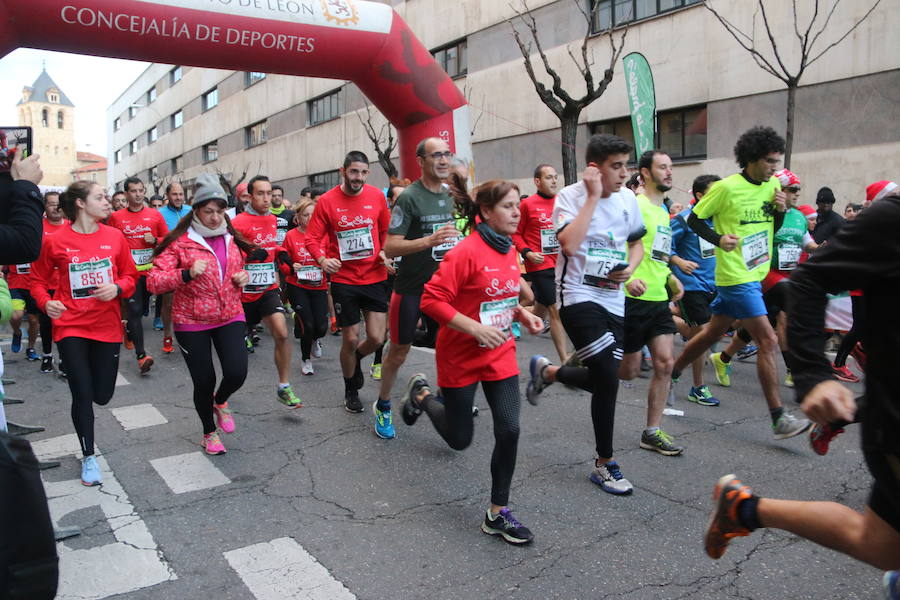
(549, 243)
(788, 256)
(262, 277)
(662, 244)
(310, 274)
(598, 263)
(707, 250)
(498, 313)
(356, 244)
(86, 277)
(755, 249)
(141, 256)
(438, 252)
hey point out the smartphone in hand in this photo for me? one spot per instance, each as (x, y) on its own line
(13, 141)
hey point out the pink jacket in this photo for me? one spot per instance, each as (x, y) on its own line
(210, 298)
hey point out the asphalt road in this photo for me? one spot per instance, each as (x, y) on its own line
(310, 504)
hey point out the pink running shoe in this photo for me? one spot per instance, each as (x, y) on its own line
(223, 417)
(844, 374)
(213, 443)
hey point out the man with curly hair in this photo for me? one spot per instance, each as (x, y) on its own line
(747, 208)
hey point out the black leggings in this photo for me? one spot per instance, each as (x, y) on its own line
(196, 348)
(135, 307)
(310, 314)
(453, 420)
(91, 369)
(46, 325)
(849, 341)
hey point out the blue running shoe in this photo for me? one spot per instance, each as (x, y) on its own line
(90, 471)
(516, 330)
(384, 423)
(16, 342)
(536, 384)
(891, 583)
(702, 396)
(30, 354)
(746, 352)
(157, 324)
(610, 479)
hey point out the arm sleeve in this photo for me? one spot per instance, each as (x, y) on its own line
(5, 302)
(20, 236)
(779, 220)
(401, 216)
(384, 221)
(703, 230)
(316, 231)
(860, 254)
(518, 237)
(166, 274)
(679, 229)
(127, 273)
(443, 287)
(637, 228)
(41, 273)
(563, 210)
(162, 229)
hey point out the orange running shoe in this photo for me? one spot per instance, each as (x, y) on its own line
(145, 363)
(129, 345)
(723, 522)
(168, 348)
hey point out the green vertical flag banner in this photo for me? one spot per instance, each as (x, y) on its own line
(642, 100)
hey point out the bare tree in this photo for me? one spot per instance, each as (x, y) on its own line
(771, 59)
(383, 140)
(227, 185)
(564, 106)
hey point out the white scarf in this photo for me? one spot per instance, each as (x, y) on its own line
(204, 231)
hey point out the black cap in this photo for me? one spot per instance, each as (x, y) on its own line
(825, 196)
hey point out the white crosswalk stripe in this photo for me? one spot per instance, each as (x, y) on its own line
(138, 416)
(189, 472)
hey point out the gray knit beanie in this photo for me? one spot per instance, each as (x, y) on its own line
(207, 188)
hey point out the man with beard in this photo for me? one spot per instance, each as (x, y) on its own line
(648, 320)
(284, 217)
(345, 236)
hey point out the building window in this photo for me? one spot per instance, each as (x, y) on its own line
(252, 77)
(151, 95)
(211, 151)
(256, 134)
(452, 58)
(132, 110)
(210, 99)
(680, 133)
(45, 118)
(153, 174)
(324, 108)
(175, 75)
(133, 146)
(177, 120)
(152, 135)
(326, 180)
(53, 97)
(176, 165)
(118, 156)
(611, 13)
(117, 124)
(59, 119)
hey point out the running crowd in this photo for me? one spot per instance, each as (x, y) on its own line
(606, 264)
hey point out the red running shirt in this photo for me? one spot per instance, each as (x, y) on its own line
(536, 231)
(82, 262)
(310, 276)
(482, 284)
(262, 231)
(135, 225)
(352, 229)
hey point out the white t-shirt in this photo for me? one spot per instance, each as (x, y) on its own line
(617, 219)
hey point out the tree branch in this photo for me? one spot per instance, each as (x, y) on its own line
(843, 37)
(736, 33)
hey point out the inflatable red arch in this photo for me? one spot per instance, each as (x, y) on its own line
(364, 42)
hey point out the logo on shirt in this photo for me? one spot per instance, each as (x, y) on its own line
(509, 288)
(106, 247)
(543, 219)
(367, 206)
(72, 250)
(136, 230)
(357, 221)
(340, 210)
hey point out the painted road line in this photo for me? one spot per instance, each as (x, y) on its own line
(189, 472)
(283, 570)
(120, 380)
(138, 416)
(130, 563)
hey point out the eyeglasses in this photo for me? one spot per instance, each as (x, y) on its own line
(773, 161)
(440, 155)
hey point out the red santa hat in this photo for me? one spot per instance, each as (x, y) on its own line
(879, 190)
(787, 178)
(808, 211)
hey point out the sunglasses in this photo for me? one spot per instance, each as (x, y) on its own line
(793, 190)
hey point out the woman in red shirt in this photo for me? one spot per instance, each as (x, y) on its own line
(95, 271)
(201, 261)
(474, 296)
(306, 288)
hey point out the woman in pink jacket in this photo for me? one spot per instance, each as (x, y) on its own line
(201, 260)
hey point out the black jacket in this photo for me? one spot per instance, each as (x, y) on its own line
(21, 208)
(826, 226)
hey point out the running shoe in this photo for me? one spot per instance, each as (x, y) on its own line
(249, 343)
(16, 342)
(62, 370)
(31, 354)
(317, 349)
(536, 384)
(352, 403)
(158, 324)
(168, 347)
(47, 364)
(384, 423)
(408, 406)
(508, 527)
(90, 471)
(144, 363)
(859, 355)
(723, 522)
(723, 370)
(789, 379)
(610, 479)
(787, 426)
(746, 352)
(820, 437)
(287, 397)
(306, 367)
(129, 345)
(358, 379)
(212, 443)
(516, 330)
(375, 371)
(333, 326)
(844, 374)
(254, 338)
(891, 584)
(223, 417)
(546, 328)
(661, 442)
(701, 395)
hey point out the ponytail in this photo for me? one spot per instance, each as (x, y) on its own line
(465, 207)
